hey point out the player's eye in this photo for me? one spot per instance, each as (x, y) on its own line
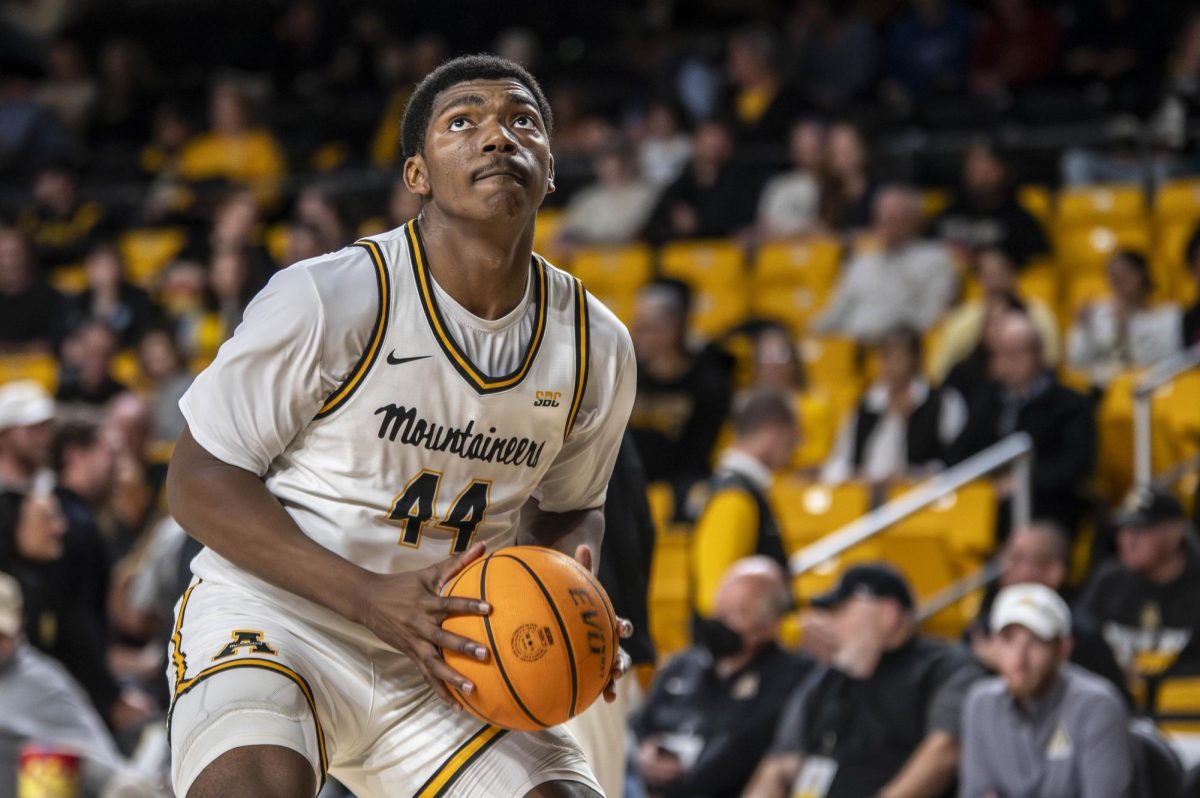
(524, 120)
(459, 123)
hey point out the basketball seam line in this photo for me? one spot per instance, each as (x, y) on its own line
(487, 624)
(562, 627)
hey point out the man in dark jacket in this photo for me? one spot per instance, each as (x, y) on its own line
(1027, 397)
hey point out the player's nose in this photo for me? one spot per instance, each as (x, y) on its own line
(498, 138)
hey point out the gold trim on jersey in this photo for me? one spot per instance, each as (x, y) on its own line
(456, 763)
(265, 664)
(476, 378)
(369, 356)
(177, 655)
(582, 353)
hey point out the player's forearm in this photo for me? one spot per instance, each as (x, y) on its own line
(230, 511)
(562, 531)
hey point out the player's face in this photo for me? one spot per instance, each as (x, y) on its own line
(486, 154)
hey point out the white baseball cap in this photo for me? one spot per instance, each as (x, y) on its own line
(24, 403)
(1036, 607)
(10, 606)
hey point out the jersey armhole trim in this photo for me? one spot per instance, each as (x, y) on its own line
(582, 353)
(371, 353)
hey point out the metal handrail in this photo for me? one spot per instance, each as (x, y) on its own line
(959, 589)
(1016, 449)
(1163, 372)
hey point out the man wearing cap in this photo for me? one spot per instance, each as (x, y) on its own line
(882, 717)
(1148, 599)
(1043, 728)
(41, 703)
(26, 412)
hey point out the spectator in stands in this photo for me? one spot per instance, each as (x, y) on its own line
(302, 48)
(1126, 331)
(713, 198)
(903, 427)
(1148, 598)
(737, 519)
(1112, 40)
(790, 204)
(1040, 553)
(1072, 722)
(231, 287)
(615, 208)
(86, 379)
(26, 416)
(402, 205)
(318, 207)
(834, 52)
(60, 223)
(664, 147)
(69, 90)
(682, 395)
(1018, 46)
(41, 704)
(127, 91)
(962, 332)
(234, 148)
(759, 100)
(110, 297)
(236, 227)
(847, 189)
(29, 307)
(1191, 319)
(928, 50)
(882, 717)
(304, 241)
(1027, 397)
(163, 367)
(905, 280)
(29, 134)
(985, 212)
(713, 708)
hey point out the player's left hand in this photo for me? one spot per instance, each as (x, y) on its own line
(622, 663)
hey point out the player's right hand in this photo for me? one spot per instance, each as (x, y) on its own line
(406, 611)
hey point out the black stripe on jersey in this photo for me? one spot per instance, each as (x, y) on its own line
(371, 353)
(583, 342)
(462, 364)
(487, 625)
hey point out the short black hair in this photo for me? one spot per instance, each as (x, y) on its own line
(482, 66)
(761, 407)
(72, 437)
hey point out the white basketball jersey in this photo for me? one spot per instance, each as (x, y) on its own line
(417, 454)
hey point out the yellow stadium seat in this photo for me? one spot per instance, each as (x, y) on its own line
(69, 279)
(1080, 290)
(620, 303)
(1169, 263)
(1114, 438)
(819, 425)
(607, 269)
(707, 264)
(794, 306)
(808, 511)
(1037, 200)
(812, 263)
(831, 362)
(669, 592)
(1087, 248)
(715, 312)
(39, 367)
(125, 368)
(148, 251)
(549, 221)
(1039, 281)
(1175, 421)
(963, 520)
(1178, 200)
(934, 201)
(1100, 204)
(276, 242)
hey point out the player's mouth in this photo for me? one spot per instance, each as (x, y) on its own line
(501, 172)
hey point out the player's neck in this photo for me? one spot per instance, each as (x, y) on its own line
(484, 267)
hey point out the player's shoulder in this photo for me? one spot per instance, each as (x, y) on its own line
(344, 284)
(608, 333)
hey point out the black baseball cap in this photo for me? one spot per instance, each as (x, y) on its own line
(875, 581)
(1148, 506)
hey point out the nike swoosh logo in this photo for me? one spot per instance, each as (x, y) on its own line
(396, 361)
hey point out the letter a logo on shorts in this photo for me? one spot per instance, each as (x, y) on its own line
(245, 639)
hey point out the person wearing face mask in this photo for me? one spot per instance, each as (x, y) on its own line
(712, 709)
(881, 717)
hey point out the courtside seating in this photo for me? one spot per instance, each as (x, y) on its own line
(1100, 205)
(147, 251)
(39, 367)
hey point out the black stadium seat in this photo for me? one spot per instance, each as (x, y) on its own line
(1159, 772)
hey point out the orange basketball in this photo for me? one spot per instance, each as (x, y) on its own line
(552, 634)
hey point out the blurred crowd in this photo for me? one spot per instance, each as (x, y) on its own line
(160, 161)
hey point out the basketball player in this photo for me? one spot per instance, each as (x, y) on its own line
(381, 415)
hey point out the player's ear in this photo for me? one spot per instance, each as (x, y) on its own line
(415, 176)
(550, 179)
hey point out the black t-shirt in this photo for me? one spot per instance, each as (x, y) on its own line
(1005, 224)
(30, 315)
(734, 716)
(871, 726)
(1191, 326)
(675, 423)
(1151, 628)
